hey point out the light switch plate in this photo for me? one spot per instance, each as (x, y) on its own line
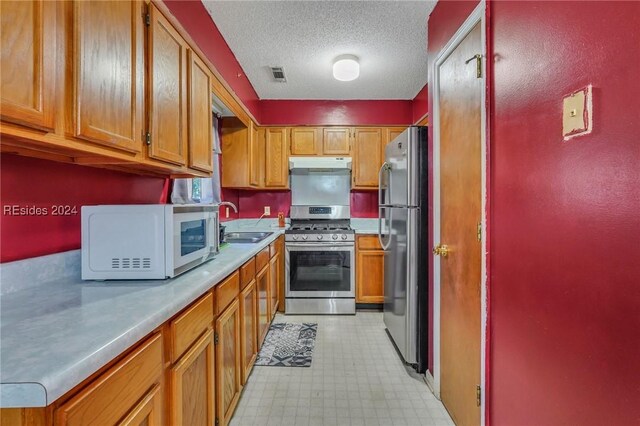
(577, 111)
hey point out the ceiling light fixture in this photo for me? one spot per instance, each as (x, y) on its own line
(346, 68)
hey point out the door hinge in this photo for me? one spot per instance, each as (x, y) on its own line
(478, 58)
(217, 421)
(147, 19)
(478, 395)
(215, 338)
(148, 138)
(479, 231)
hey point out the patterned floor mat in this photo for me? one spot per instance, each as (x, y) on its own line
(288, 345)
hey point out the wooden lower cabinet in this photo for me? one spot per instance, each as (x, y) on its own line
(282, 278)
(274, 279)
(190, 372)
(192, 388)
(248, 328)
(128, 393)
(147, 411)
(228, 364)
(369, 270)
(264, 317)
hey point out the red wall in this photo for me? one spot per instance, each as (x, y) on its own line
(327, 112)
(565, 256)
(30, 182)
(444, 21)
(193, 16)
(420, 104)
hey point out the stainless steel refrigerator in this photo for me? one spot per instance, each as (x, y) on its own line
(403, 234)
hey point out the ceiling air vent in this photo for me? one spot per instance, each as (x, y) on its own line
(278, 74)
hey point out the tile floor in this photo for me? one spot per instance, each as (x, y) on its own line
(356, 378)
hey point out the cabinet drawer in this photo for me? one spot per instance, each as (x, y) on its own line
(247, 272)
(273, 249)
(262, 258)
(116, 392)
(369, 242)
(190, 325)
(226, 291)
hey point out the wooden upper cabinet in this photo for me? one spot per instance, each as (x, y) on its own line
(276, 158)
(305, 141)
(367, 152)
(336, 141)
(167, 90)
(27, 59)
(228, 363)
(108, 73)
(256, 156)
(200, 115)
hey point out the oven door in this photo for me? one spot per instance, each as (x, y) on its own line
(320, 270)
(194, 239)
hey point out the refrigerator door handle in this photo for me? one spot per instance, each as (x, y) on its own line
(384, 245)
(385, 167)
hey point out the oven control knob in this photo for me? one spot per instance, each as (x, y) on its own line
(344, 236)
(334, 236)
(295, 237)
(304, 237)
(319, 237)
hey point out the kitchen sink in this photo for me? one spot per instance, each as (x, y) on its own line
(246, 237)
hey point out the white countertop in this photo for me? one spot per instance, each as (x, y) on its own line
(365, 226)
(55, 335)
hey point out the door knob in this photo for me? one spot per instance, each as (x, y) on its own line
(441, 250)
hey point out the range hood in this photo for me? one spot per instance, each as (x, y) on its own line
(320, 163)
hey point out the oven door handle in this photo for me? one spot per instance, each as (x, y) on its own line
(319, 244)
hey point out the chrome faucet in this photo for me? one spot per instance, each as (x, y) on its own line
(230, 204)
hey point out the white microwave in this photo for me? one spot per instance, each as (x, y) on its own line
(150, 241)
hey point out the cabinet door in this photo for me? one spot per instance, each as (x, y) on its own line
(167, 90)
(248, 328)
(277, 169)
(192, 386)
(367, 157)
(27, 60)
(116, 394)
(256, 156)
(370, 276)
(274, 278)
(281, 276)
(200, 115)
(336, 141)
(304, 141)
(227, 362)
(262, 281)
(108, 73)
(147, 412)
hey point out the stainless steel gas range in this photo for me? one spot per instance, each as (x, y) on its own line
(320, 244)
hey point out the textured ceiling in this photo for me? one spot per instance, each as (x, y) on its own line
(304, 37)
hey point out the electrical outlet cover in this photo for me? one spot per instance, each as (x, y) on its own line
(267, 210)
(577, 113)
